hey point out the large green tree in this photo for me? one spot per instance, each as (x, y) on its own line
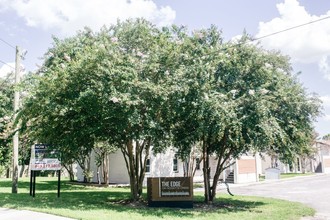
(136, 86)
(108, 86)
(6, 112)
(7, 89)
(237, 98)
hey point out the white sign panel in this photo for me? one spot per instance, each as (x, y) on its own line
(43, 158)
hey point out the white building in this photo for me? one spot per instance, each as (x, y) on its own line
(246, 169)
(321, 160)
(318, 162)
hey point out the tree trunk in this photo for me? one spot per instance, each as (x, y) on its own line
(22, 170)
(198, 164)
(223, 156)
(99, 175)
(86, 169)
(190, 164)
(82, 163)
(128, 152)
(69, 169)
(206, 173)
(216, 177)
(185, 167)
(71, 172)
(8, 173)
(105, 166)
(135, 162)
(143, 161)
(303, 164)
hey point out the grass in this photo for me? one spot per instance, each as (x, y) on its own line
(288, 175)
(84, 202)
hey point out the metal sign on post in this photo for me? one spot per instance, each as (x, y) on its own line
(44, 158)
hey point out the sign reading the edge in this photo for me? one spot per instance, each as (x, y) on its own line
(44, 158)
(174, 187)
(170, 192)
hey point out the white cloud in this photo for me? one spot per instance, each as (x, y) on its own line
(70, 16)
(327, 117)
(326, 104)
(6, 69)
(3, 5)
(306, 44)
(325, 100)
(324, 66)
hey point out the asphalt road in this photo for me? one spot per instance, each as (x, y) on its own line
(313, 191)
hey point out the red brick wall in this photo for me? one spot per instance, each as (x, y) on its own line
(247, 166)
(326, 162)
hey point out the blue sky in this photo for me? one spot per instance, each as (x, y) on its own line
(30, 24)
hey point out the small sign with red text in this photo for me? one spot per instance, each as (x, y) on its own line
(44, 158)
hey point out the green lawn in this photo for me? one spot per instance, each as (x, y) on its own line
(83, 202)
(288, 175)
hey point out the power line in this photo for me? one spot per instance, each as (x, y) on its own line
(288, 29)
(251, 39)
(7, 43)
(7, 64)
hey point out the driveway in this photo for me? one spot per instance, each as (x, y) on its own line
(313, 191)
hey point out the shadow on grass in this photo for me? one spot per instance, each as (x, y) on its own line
(79, 197)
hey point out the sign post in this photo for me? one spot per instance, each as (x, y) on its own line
(44, 158)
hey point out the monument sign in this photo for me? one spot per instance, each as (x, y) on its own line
(170, 192)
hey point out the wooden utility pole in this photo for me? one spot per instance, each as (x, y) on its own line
(16, 106)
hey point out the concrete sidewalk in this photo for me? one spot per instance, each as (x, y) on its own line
(13, 214)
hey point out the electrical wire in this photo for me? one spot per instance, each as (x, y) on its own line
(251, 39)
(6, 64)
(291, 28)
(7, 43)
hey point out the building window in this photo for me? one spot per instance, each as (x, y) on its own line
(175, 163)
(148, 166)
(198, 164)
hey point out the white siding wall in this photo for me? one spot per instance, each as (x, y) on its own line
(161, 165)
(246, 178)
(199, 174)
(118, 171)
(80, 176)
(246, 170)
(326, 164)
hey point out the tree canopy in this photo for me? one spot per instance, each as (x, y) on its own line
(6, 112)
(237, 98)
(134, 86)
(104, 86)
